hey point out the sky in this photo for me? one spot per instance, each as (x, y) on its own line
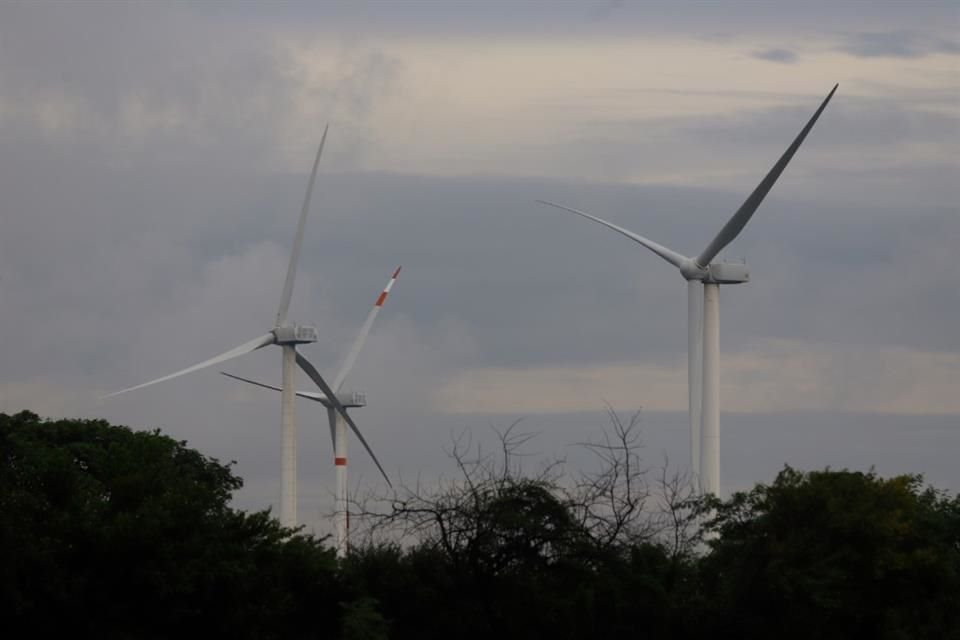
(153, 159)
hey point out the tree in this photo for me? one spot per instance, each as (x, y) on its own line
(116, 533)
(501, 552)
(836, 554)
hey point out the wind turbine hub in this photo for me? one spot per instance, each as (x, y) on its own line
(296, 334)
(727, 273)
(690, 270)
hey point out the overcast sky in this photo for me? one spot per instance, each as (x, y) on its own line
(153, 159)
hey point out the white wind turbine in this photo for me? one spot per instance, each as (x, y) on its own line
(338, 428)
(288, 336)
(703, 331)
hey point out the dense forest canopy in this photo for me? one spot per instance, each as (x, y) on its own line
(117, 533)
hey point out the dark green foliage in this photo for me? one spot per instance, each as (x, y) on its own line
(362, 621)
(111, 533)
(108, 532)
(829, 554)
(504, 557)
(836, 554)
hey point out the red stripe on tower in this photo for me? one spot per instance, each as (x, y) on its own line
(380, 300)
(397, 272)
(340, 462)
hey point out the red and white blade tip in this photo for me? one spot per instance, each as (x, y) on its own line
(386, 290)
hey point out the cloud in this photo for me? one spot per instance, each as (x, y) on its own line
(184, 85)
(773, 376)
(897, 44)
(785, 56)
(242, 94)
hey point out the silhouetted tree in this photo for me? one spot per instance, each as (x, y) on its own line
(513, 554)
(113, 533)
(836, 554)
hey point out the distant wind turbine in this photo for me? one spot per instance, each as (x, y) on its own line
(338, 428)
(288, 336)
(703, 328)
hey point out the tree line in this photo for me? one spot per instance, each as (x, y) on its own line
(111, 532)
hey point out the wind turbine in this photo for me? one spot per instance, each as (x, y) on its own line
(338, 427)
(287, 336)
(703, 329)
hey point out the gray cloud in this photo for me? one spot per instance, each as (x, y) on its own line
(897, 44)
(155, 85)
(776, 55)
(497, 18)
(851, 119)
(529, 284)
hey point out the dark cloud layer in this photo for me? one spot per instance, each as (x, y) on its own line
(531, 284)
(776, 55)
(498, 18)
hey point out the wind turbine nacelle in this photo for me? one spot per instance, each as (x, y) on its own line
(727, 273)
(349, 399)
(297, 334)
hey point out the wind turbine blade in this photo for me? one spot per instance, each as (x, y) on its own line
(253, 382)
(247, 347)
(669, 255)
(331, 421)
(311, 371)
(736, 223)
(309, 395)
(364, 331)
(298, 239)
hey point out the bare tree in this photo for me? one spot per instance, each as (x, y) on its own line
(679, 512)
(610, 502)
(494, 510)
